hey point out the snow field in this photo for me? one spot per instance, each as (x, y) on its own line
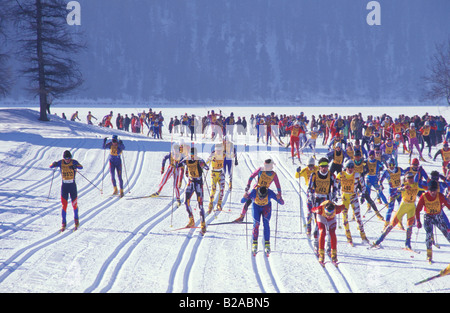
(126, 245)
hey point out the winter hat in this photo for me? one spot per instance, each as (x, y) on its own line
(67, 154)
(433, 185)
(262, 192)
(268, 165)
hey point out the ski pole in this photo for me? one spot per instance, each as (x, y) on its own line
(175, 178)
(103, 169)
(301, 205)
(126, 174)
(51, 184)
(88, 180)
(276, 227)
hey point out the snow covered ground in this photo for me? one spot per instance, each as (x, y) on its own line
(126, 245)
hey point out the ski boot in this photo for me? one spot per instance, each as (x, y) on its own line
(334, 259)
(321, 255)
(178, 202)
(254, 247)
(364, 237)
(230, 185)
(267, 248)
(191, 223)
(219, 207)
(380, 217)
(154, 195)
(63, 227)
(121, 193)
(77, 224)
(116, 191)
(203, 228)
(430, 256)
(210, 207)
(240, 219)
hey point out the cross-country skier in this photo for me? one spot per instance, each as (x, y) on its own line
(68, 168)
(306, 174)
(265, 176)
(89, 118)
(409, 190)
(432, 203)
(426, 135)
(349, 181)
(107, 120)
(174, 158)
(230, 154)
(217, 159)
(116, 148)
(374, 167)
(262, 207)
(393, 175)
(389, 150)
(337, 155)
(75, 117)
(326, 220)
(322, 186)
(311, 142)
(295, 139)
(195, 166)
(445, 154)
(411, 132)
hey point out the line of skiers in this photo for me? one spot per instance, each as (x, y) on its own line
(343, 172)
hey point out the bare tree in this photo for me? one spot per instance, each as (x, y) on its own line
(437, 82)
(48, 47)
(6, 80)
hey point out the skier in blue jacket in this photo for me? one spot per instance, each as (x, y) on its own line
(262, 206)
(68, 168)
(116, 148)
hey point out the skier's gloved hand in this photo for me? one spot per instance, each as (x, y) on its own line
(236, 162)
(418, 224)
(247, 188)
(299, 169)
(104, 140)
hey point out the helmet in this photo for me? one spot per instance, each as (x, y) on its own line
(67, 154)
(311, 161)
(415, 161)
(391, 161)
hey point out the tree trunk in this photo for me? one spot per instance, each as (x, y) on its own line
(40, 58)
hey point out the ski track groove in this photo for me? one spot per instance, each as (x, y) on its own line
(182, 255)
(24, 168)
(269, 281)
(22, 223)
(53, 238)
(129, 182)
(335, 276)
(153, 221)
